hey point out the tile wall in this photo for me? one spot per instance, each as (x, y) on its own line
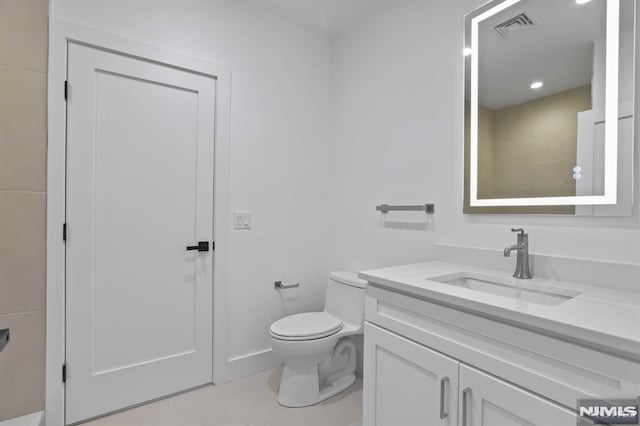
(23, 142)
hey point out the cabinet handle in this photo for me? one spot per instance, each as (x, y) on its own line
(444, 385)
(465, 392)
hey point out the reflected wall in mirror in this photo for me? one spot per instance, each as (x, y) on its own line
(549, 90)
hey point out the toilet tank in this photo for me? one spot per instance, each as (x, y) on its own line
(345, 297)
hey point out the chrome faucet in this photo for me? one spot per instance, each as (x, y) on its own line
(522, 261)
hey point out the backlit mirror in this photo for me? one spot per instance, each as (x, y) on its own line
(549, 88)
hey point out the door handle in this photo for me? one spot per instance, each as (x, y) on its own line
(465, 393)
(444, 384)
(202, 246)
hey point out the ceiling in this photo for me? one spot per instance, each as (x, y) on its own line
(328, 17)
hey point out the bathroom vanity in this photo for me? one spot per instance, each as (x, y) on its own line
(448, 344)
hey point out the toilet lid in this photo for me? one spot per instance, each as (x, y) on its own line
(310, 325)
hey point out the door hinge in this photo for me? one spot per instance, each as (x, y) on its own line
(213, 245)
(66, 90)
(64, 373)
(64, 232)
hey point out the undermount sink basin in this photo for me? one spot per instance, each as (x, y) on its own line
(526, 290)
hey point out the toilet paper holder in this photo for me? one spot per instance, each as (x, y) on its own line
(279, 286)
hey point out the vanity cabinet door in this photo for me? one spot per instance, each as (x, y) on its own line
(407, 384)
(488, 401)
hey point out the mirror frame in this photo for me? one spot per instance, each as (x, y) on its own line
(472, 21)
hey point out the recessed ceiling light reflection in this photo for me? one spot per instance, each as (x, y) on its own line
(536, 85)
(582, 1)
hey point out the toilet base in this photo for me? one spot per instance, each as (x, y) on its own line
(308, 381)
(302, 390)
(314, 370)
(336, 387)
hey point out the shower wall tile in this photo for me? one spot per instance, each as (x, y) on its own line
(23, 134)
(23, 146)
(24, 26)
(22, 365)
(22, 252)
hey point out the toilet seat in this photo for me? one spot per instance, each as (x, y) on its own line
(306, 326)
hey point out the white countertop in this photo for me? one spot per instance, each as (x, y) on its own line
(599, 317)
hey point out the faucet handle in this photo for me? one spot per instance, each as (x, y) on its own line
(518, 230)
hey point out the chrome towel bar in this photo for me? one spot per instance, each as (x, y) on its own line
(427, 208)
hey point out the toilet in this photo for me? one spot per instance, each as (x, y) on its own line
(318, 353)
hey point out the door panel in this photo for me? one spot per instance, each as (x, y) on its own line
(124, 234)
(488, 401)
(407, 384)
(139, 190)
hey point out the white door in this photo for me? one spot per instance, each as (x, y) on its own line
(407, 384)
(140, 142)
(488, 401)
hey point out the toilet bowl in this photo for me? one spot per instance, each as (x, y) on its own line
(318, 354)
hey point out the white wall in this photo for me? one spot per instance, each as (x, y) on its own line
(279, 145)
(396, 116)
(398, 122)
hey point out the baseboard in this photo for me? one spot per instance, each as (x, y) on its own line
(249, 364)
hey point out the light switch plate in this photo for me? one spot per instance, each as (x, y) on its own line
(241, 220)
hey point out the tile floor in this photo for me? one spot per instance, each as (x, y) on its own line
(247, 401)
